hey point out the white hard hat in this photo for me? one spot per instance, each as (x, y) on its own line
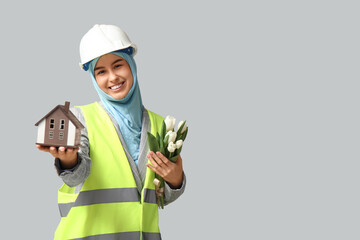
(103, 39)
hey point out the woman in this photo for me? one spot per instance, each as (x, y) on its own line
(109, 191)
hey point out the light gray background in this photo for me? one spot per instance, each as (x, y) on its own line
(270, 90)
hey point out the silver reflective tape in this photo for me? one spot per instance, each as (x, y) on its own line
(99, 196)
(149, 195)
(64, 208)
(107, 196)
(112, 236)
(151, 236)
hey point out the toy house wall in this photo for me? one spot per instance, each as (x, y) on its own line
(53, 131)
(71, 134)
(77, 137)
(41, 132)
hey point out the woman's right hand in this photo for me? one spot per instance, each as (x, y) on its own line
(68, 157)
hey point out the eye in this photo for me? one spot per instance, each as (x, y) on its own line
(117, 65)
(100, 72)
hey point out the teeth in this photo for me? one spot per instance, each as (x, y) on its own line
(117, 86)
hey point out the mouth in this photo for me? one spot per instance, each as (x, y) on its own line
(117, 87)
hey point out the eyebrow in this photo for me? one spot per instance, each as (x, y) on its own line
(116, 61)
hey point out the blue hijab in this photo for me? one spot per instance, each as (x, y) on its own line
(126, 111)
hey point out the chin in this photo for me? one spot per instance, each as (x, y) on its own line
(118, 97)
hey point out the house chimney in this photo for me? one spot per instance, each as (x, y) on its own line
(67, 106)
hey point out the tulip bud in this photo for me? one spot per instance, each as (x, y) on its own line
(184, 128)
(170, 123)
(179, 143)
(171, 147)
(157, 182)
(172, 136)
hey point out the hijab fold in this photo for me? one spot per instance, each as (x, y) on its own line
(126, 111)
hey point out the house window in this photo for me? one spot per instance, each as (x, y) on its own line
(61, 136)
(51, 135)
(52, 123)
(62, 124)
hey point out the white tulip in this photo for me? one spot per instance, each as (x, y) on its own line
(184, 128)
(179, 143)
(170, 123)
(156, 182)
(172, 136)
(171, 147)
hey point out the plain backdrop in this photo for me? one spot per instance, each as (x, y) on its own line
(270, 91)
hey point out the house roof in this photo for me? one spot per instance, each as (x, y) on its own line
(67, 113)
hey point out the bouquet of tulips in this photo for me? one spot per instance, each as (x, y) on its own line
(169, 142)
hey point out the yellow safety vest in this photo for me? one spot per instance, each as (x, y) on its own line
(108, 206)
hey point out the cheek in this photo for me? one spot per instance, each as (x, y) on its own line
(100, 81)
(129, 76)
(131, 81)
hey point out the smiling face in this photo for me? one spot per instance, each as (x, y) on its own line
(113, 75)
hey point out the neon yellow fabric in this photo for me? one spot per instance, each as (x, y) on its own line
(110, 171)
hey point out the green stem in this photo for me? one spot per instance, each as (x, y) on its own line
(162, 202)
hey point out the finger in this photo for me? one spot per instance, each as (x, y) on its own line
(155, 166)
(61, 152)
(163, 158)
(72, 151)
(43, 148)
(53, 152)
(150, 156)
(156, 170)
(153, 169)
(158, 159)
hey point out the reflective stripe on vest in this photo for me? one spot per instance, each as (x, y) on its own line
(109, 206)
(124, 235)
(107, 196)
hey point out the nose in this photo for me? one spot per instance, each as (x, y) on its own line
(112, 76)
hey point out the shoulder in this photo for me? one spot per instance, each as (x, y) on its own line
(88, 106)
(156, 121)
(154, 116)
(78, 111)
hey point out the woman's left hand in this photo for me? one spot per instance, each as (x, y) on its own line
(171, 172)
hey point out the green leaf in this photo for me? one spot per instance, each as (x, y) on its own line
(161, 146)
(174, 158)
(177, 151)
(163, 130)
(166, 152)
(183, 136)
(153, 144)
(178, 137)
(166, 141)
(178, 133)
(157, 137)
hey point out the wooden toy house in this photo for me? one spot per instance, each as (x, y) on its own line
(59, 127)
